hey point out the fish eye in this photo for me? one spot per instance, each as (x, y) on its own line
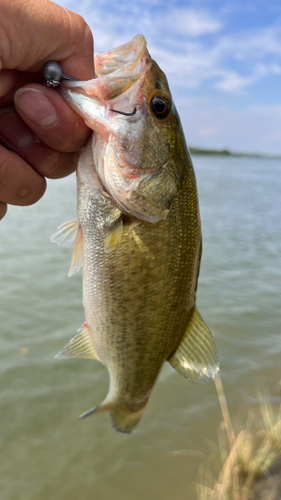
(160, 106)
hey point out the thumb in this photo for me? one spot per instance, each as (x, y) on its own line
(34, 32)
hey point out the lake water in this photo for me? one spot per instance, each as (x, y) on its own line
(46, 453)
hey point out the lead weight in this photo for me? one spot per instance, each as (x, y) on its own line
(52, 73)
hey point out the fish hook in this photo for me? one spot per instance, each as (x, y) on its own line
(52, 74)
(123, 113)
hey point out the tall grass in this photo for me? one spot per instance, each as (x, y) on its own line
(241, 467)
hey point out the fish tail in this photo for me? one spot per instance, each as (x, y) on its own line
(124, 420)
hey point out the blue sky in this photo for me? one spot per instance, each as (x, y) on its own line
(222, 60)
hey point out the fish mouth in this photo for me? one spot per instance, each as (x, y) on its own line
(118, 88)
(125, 58)
(116, 70)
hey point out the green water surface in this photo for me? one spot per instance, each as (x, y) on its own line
(46, 453)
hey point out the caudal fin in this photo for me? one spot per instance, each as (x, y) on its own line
(124, 420)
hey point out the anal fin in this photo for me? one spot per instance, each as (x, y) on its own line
(81, 346)
(196, 356)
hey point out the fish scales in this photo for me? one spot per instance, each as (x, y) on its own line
(132, 301)
(138, 235)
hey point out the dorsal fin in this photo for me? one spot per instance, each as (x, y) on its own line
(81, 346)
(196, 357)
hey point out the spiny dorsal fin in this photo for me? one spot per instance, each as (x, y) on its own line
(196, 357)
(113, 236)
(81, 346)
(66, 234)
(77, 254)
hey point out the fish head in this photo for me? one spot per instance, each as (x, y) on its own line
(139, 147)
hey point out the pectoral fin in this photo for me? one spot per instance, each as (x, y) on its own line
(113, 235)
(77, 254)
(196, 357)
(66, 234)
(70, 234)
(81, 346)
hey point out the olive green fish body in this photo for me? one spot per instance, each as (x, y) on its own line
(137, 235)
(138, 298)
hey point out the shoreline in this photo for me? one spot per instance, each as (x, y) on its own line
(226, 152)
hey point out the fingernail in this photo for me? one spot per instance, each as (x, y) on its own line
(36, 107)
(13, 131)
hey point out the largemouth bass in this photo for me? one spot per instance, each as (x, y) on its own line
(137, 235)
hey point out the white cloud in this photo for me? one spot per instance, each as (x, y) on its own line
(197, 62)
(251, 44)
(234, 83)
(191, 22)
(184, 55)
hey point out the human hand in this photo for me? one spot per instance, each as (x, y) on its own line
(40, 135)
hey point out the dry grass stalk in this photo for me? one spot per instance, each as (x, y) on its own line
(245, 459)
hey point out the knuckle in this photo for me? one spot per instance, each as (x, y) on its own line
(7, 32)
(88, 38)
(49, 167)
(80, 29)
(71, 137)
(59, 166)
(19, 185)
(83, 28)
(84, 37)
(68, 143)
(4, 170)
(80, 135)
(80, 22)
(28, 195)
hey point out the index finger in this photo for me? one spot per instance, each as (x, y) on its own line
(32, 33)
